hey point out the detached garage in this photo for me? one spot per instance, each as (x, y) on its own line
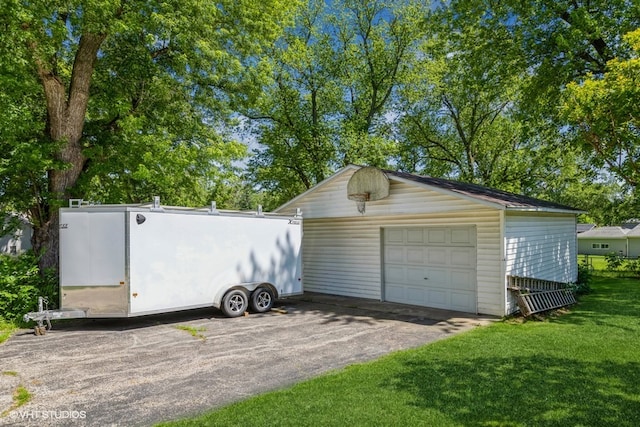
(398, 237)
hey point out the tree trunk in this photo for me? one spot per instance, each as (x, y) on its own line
(65, 123)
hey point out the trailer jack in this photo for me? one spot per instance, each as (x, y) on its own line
(43, 316)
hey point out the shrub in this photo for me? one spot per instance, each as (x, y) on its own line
(614, 261)
(582, 286)
(21, 284)
(633, 265)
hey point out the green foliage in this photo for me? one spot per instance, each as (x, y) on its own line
(335, 73)
(120, 101)
(583, 284)
(614, 261)
(6, 329)
(606, 112)
(633, 266)
(21, 284)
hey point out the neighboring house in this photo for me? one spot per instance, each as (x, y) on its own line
(623, 240)
(581, 228)
(17, 241)
(432, 242)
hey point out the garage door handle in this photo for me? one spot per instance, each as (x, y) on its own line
(426, 278)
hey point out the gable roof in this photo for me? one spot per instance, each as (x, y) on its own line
(484, 195)
(608, 232)
(505, 199)
(581, 228)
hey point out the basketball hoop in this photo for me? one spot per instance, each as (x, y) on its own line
(367, 185)
(360, 199)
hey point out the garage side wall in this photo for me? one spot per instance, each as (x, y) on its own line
(541, 246)
(342, 256)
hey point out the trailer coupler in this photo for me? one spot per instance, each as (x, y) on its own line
(44, 316)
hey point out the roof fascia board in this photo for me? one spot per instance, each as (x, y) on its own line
(543, 209)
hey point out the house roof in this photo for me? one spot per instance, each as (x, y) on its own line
(484, 195)
(634, 232)
(505, 199)
(609, 232)
(581, 228)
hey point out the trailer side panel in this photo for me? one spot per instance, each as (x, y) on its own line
(180, 261)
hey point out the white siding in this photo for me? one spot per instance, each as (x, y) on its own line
(342, 248)
(330, 201)
(541, 246)
(342, 256)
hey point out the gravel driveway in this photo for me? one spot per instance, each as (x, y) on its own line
(139, 371)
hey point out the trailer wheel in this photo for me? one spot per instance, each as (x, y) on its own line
(262, 300)
(234, 303)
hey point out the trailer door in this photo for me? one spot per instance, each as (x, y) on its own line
(92, 248)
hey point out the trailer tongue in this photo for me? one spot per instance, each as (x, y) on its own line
(134, 260)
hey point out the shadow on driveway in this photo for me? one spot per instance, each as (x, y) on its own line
(139, 371)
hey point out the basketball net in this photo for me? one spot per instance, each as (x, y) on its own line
(360, 199)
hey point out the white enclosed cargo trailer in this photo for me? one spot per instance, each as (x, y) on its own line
(133, 260)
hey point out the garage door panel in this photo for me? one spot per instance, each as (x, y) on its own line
(394, 254)
(395, 292)
(415, 294)
(437, 298)
(415, 276)
(436, 277)
(462, 257)
(415, 255)
(394, 235)
(436, 236)
(463, 279)
(432, 266)
(395, 274)
(415, 236)
(436, 256)
(462, 300)
(462, 236)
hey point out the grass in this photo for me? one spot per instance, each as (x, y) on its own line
(195, 332)
(6, 329)
(596, 262)
(579, 369)
(20, 396)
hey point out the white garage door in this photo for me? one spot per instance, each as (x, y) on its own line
(431, 267)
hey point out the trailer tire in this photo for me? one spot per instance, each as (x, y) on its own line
(234, 303)
(262, 300)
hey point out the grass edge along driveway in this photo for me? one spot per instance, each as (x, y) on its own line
(578, 369)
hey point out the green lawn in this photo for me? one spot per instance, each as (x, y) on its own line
(6, 329)
(578, 369)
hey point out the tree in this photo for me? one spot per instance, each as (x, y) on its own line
(114, 91)
(457, 108)
(605, 113)
(483, 103)
(293, 118)
(335, 74)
